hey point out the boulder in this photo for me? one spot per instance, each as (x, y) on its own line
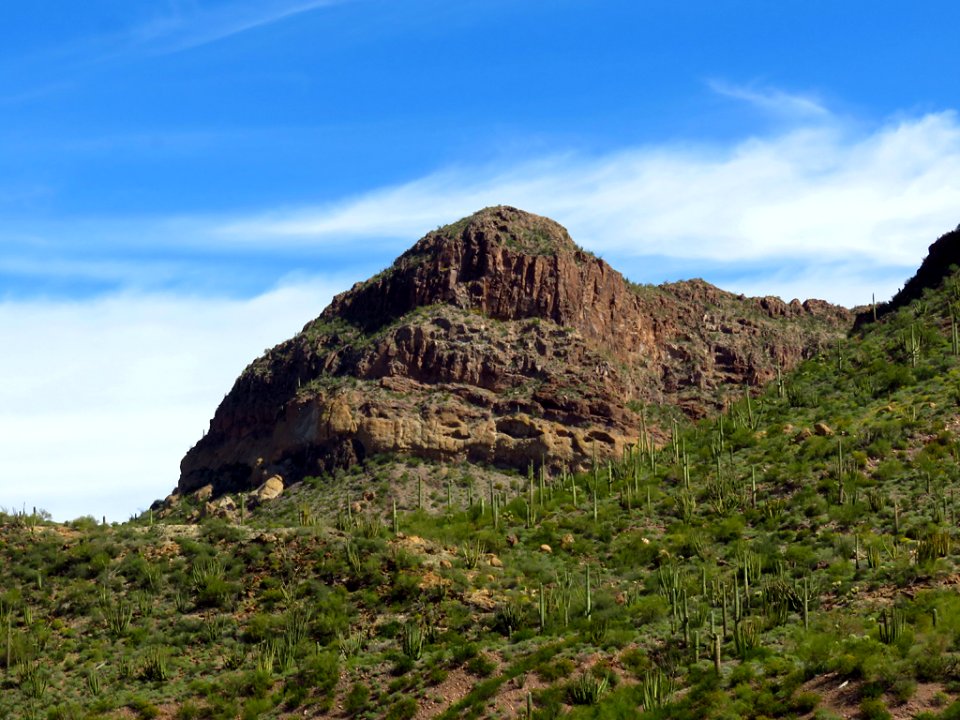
(822, 429)
(271, 489)
(224, 507)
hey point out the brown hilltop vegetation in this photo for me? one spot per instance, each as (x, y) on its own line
(497, 340)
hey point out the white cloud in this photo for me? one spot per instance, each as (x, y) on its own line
(772, 100)
(842, 283)
(105, 396)
(185, 29)
(822, 194)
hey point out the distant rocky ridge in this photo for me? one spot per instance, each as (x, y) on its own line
(496, 340)
(942, 255)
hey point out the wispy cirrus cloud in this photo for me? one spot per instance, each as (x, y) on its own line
(807, 197)
(201, 24)
(772, 100)
(811, 199)
(47, 72)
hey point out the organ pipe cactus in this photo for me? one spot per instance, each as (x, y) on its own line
(891, 626)
(676, 441)
(655, 688)
(412, 638)
(746, 636)
(589, 596)
(543, 482)
(542, 609)
(805, 599)
(840, 495)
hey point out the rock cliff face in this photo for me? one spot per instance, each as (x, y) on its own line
(497, 340)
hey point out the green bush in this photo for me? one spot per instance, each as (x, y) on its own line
(143, 708)
(559, 669)
(402, 709)
(874, 709)
(357, 699)
(321, 671)
(189, 710)
(481, 666)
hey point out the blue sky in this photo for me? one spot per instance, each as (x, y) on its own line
(184, 183)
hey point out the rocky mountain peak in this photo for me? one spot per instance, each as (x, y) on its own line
(496, 339)
(501, 227)
(500, 261)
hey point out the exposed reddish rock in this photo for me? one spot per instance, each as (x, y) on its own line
(496, 339)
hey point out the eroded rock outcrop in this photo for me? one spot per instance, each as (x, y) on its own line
(496, 340)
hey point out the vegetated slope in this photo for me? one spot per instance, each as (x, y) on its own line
(796, 555)
(496, 340)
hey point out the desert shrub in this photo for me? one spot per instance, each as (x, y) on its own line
(256, 683)
(481, 666)
(463, 653)
(631, 552)
(403, 709)
(254, 708)
(874, 709)
(143, 708)
(261, 627)
(903, 689)
(320, 671)
(647, 609)
(729, 529)
(357, 699)
(404, 588)
(189, 710)
(215, 530)
(560, 668)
